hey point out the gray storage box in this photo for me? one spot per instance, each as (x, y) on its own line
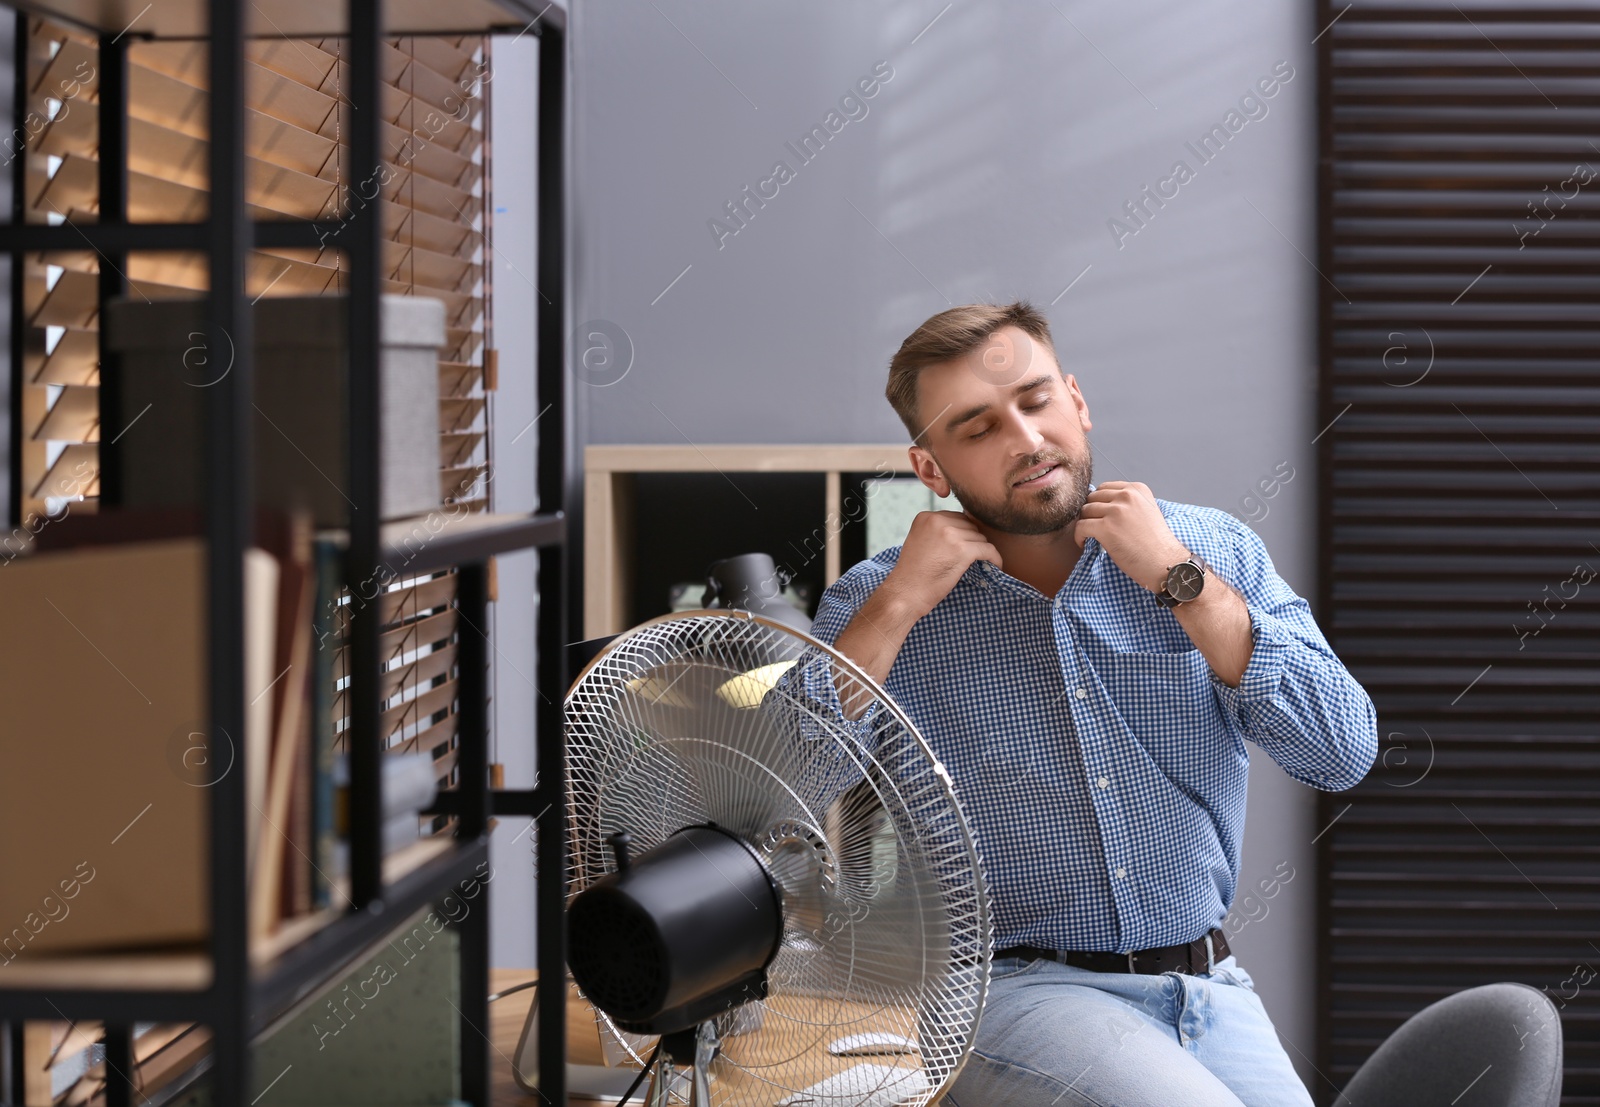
(301, 373)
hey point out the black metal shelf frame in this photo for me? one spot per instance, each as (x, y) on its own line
(239, 1002)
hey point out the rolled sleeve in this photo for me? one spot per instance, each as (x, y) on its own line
(1269, 654)
(816, 687)
(804, 703)
(1295, 700)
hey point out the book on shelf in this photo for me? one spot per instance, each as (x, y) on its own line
(325, 624)
(271, 894)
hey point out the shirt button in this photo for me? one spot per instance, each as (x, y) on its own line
(1082, 693)
(1121, 871)
(1103, 782)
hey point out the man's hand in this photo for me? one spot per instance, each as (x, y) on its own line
(1123, 516)
(939, 548)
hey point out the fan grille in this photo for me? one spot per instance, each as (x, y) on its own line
(886, 921)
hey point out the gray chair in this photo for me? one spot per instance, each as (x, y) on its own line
(1494, 1046)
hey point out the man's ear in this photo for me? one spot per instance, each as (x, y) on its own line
(927, 471)
(1078, 402)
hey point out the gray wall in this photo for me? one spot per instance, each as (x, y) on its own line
(988, 167)
(514, 86)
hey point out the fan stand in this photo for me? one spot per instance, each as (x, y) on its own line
(694, 1048)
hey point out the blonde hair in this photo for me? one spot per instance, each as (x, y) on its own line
(950, 335)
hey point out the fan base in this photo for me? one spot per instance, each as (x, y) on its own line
(695, 1048)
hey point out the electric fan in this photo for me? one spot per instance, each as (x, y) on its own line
(793, 905)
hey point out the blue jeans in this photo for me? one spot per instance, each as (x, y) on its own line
(1051, 1034)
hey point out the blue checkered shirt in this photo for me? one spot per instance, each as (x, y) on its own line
(1100, 762)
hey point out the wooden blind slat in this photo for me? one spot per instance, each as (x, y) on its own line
(460, 414)
(455, 449)
(458, 379)
(420, 709)
(452, 482)
(438, 198)
(441, 733)
(395, 643)
(75, 360)
(75, 473)
(422, 671)
(71, 303)
(430, 270)
(431, 232)
(418, 600)
(74, 417)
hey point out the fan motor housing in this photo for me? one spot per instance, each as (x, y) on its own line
(683, 933)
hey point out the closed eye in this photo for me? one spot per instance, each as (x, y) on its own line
(1033, 407)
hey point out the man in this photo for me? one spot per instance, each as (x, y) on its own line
(1089, 661)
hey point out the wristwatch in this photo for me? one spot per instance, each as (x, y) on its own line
(1184, 581)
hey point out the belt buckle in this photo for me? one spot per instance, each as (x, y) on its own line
(1211, 955)
(1131, 967)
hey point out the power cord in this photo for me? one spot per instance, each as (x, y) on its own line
(637, 1080)
(514, 990)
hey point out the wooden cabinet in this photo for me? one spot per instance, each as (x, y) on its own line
(611, 508)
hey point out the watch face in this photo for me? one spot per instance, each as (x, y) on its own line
(1184, 582)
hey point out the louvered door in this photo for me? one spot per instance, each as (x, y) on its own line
(1460, 488)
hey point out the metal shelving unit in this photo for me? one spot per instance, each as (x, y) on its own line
(242, 999)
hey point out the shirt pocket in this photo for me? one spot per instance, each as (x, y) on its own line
(1164, 697)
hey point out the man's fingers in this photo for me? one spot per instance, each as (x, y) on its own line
(1112, 489)
(983, 548)
(1081, 529)
(1102, 494)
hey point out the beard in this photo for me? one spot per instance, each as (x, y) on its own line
(1034, 511)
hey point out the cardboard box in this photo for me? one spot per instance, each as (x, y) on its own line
(105, 797)
(167, 362)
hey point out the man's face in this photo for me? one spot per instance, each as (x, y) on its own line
(997, 416)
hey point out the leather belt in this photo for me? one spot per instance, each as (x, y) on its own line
(1194, 958)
